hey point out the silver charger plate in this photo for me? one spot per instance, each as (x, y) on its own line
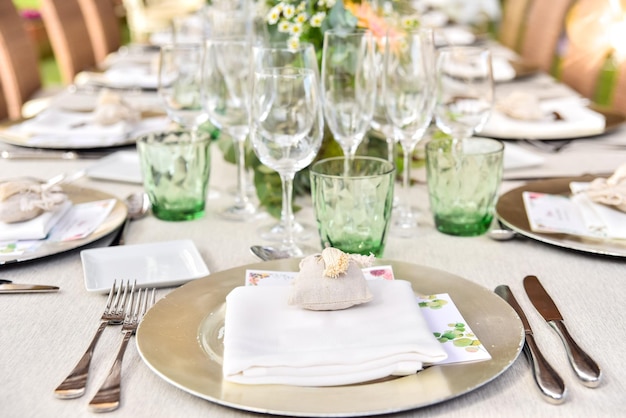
(511, 212)
(179, 339)
(77, 195)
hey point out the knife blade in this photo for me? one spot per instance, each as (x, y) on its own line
(49, 155)
(547, 379)
(7, 286)
(586, 369)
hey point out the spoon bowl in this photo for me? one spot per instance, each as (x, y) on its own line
(267, 253)
(138, 205)
(502, 234)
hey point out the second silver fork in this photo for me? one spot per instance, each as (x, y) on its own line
(75, 383)
(108, 396)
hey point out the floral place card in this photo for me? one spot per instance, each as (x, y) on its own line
(78, 222)
(443, 317)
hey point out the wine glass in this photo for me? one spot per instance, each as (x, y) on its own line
(464, 90)
(225, 97)
(179, 82)
(348, 86)
(285, 109)
(280, 55)
(408, 92)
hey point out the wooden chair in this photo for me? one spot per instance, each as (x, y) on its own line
(67, 30)
(103, 26)
(20, 79)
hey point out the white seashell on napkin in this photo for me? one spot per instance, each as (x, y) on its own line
(24, 199)
(521, 105)
(611, 191)
(266, 341)
(112, 108)
(599, 219)
(577, 120)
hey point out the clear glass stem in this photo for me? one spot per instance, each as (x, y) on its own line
(241, 200)
(287, 190)
(391, 146)
(406, 215)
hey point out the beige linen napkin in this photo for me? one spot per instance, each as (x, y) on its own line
(602, 204)
(267, 341)
(576, 120)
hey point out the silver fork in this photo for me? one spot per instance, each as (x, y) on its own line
(74, 384)
(108, 396)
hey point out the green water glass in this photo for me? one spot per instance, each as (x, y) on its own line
(463, 181)
(352, 200)
(175, 166)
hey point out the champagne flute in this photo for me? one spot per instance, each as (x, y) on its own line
(285, 108)
(225, 96)
(179, 82)
(280, 55)
(464, 83)
(348, 86)
(408, 92)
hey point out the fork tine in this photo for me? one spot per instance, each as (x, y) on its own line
(73, 386)
(108, 396)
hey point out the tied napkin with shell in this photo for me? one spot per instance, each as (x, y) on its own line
(23, 199)
(610, 191)
(331, 280)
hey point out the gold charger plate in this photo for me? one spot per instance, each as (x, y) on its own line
(77, 195)
(23, 140)
(180, 340)
(510, 210)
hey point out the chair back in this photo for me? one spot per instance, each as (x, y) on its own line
(103, 26)
(69, 37)
(19, 63)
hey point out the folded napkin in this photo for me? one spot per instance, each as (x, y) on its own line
(36, 228)
(575, 120)
(124, 75)
(599, 219)
(267, 341)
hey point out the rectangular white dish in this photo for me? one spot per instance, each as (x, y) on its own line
(122, 166)
(159, 264)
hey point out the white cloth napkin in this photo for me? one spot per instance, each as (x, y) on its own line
(266, 341)
(600, 220)
(36, 228)
(578, 121)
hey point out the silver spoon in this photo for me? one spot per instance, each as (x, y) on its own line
(138, 205)
(266, 253)
(501, 234)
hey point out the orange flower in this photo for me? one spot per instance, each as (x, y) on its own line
(368, 19)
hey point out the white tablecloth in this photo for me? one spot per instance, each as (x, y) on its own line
(43, 335)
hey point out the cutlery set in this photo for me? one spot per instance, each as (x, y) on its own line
(547, 379)
(125, 306)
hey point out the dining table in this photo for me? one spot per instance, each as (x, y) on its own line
(43, 334)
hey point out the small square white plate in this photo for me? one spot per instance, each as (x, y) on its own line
(120, 166)
(159, 264)
(516, 157)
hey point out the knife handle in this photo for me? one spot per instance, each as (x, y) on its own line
(585, 368)
(549, 382)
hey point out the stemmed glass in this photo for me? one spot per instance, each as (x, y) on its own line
(280, 55)
(348, 86)
(285, 108)
(179, 82)
(408, 92)
(464, 90)
(225, 97)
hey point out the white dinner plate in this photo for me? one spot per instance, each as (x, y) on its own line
(180, 339)
(159, 264)
(120, 166)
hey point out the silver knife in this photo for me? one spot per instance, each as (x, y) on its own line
(49, 155)
(548, 380)
(584, 366)
(7, 286)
